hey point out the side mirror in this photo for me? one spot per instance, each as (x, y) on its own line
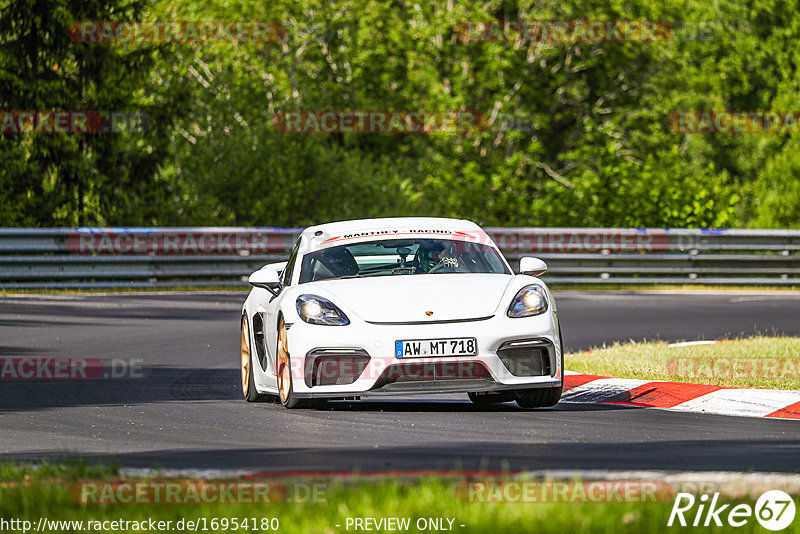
(280, 266)
(267, 278)
(532, 266)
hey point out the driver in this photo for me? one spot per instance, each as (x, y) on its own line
(429, 255)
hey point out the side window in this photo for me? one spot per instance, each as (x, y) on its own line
(287, 272)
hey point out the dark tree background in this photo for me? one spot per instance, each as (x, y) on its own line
(578, 132)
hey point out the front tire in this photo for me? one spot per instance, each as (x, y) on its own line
(248, 382)
(538, 397)
(283, 372)
(542, 397)
(491, 399)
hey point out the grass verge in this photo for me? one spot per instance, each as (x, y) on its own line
(757, 362)
(28, 494)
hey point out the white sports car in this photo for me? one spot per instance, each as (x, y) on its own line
(400, 306)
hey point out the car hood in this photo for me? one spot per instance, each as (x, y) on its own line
(409, 298)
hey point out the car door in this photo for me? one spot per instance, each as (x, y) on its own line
(271, 312)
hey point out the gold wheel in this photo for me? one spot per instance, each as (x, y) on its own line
(245, 357)
(283, 372)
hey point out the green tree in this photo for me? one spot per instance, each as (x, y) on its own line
(82, 179)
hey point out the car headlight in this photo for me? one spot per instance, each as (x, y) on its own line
(319, 310)
(530, 300)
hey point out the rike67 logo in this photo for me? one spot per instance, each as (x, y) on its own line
(774, 510)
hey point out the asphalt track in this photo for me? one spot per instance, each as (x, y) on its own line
(186, 412)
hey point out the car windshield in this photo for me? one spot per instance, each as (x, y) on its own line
(401, 257)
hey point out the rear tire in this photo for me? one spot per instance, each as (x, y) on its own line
(491, 399)
(248, 382)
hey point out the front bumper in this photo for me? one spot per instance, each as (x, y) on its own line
(359, 359)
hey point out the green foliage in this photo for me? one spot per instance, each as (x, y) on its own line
(89, 179)
(577, 132)
(472, 504)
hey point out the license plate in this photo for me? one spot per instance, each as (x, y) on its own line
(426, 348)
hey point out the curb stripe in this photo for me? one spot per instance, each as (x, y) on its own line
(572, 381)
(602, 390)
(790, 412)
(397, 473)
(663, 394)
(681, 396)
(752, 402)
(729, 483)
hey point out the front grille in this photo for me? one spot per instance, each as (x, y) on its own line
(432, 372)
(530, 357)
(334, 367)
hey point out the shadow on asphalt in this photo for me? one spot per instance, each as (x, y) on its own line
(169, 384)
(449, 405)
(132, 310)
(157, 384)
(12, 351)
(775, 455)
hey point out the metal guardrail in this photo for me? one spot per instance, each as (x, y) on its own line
(168, 257)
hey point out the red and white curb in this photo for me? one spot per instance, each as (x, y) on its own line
(679, 396)
(730, 483)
